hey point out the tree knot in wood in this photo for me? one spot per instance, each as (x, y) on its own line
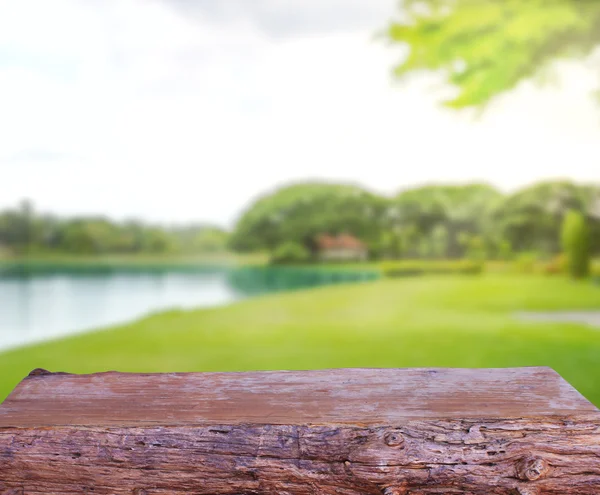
(474, 436)
(394, 439)
(139, 491)
(13, 491)
(526, 490)
(532, 468)
(394, 491)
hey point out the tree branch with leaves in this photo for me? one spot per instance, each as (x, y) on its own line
(484, 48)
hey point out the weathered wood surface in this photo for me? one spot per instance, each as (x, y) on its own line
(350, 432)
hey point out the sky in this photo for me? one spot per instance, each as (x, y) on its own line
(186, 110)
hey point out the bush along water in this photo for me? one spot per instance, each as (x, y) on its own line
(429, 267)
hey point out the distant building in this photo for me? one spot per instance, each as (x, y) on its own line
(343, 247)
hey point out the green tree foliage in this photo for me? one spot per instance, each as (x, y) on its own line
(484, 48)
(301, 212)
(198, 238)
(432, 218)
(210, 240)
(530, 219)
(505, 250)
(476, 250)
(575, 240)
(23, 230)
(158, 241)
(591, 206)
(290, 252)
(439, 241)
(18, 227)
(438, 221)
(390, 245)
(91, 236)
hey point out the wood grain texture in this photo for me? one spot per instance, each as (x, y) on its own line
(351, 396)
(350, 432)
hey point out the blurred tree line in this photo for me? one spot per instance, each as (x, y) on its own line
(474, 221)
(24, 231)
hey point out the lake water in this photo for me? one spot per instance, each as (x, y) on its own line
(44, 304)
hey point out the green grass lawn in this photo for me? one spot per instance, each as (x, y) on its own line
(416, 322)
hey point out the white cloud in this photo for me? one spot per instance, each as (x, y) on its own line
(288, 18)
(131, 108)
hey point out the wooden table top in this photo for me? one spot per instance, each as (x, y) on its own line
(344, 396)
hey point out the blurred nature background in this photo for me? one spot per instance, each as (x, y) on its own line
(248, 185)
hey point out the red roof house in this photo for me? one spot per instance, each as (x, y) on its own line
(341, 247)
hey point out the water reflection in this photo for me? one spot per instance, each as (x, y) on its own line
(43, 303)
(259, 280)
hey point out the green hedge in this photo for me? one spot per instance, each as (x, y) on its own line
(290, 252)
(595, 269)
(424, 267)
(576, 244)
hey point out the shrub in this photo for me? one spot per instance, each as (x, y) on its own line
(505, 250)
(576, 244)
(498, 266)
(290, 252)
(556, 266)
(476, 249)
(595, 269)
(525, 262)
(424, 267)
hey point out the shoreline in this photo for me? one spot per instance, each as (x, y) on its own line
(413, 322)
